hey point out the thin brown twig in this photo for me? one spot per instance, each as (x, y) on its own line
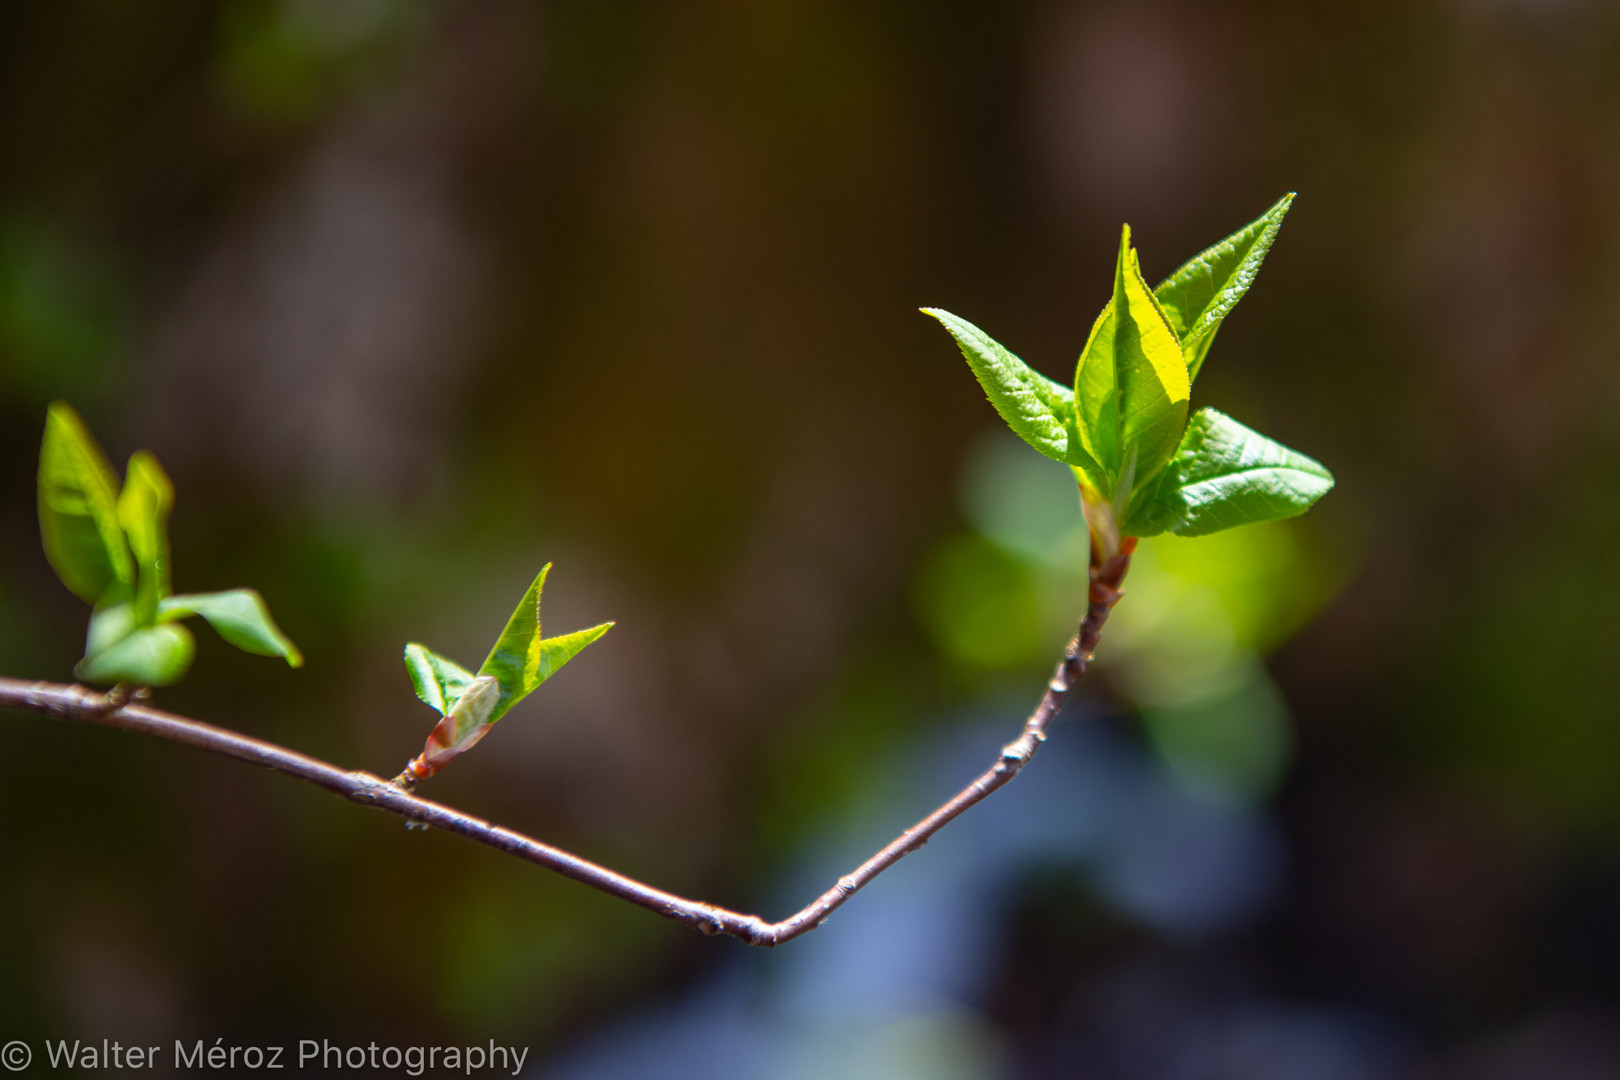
(64, 702)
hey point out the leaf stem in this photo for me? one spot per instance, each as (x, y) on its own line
(117, 710)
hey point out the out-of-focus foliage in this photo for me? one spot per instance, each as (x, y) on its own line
(286, 63)
(61, 310)
(240, 617)
(79, 517)
(111, 548)
(1188, 649)
(1191, 650)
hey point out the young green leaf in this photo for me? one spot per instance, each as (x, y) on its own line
(521, 660)
(1208, 286)
(1226, 475)
(240, 617)
(1038, 409)
(439, 681)
(1131, 385)
(78, 509)
(143, 511)
(150, 656)
(557, 651)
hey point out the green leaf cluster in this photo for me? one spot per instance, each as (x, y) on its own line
(1142, 465)
(519, 662)
(110, 547)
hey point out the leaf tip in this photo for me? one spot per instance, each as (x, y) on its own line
(1127, 255)
(1271, 221)
(60, 412)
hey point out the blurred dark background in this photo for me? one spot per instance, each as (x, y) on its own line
(412, 298)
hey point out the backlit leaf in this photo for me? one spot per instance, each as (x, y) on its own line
(1038, 409)
(521, 659)
(557, 651)
(1131, 385)
(439, 681)
(1226, 475)
(1208, 286)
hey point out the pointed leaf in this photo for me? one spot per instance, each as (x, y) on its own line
(557, 651)
(1038, 409)
(1226, 475)
(1131, 386)
(1207, 287)
(78, 509)
(151, 656)
(240, 617)
(515, 659)
(521, 660)
(143, 511)
(439, 681)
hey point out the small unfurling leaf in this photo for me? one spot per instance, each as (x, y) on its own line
(439, 681)
(520, 661)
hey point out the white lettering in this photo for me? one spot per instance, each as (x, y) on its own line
(60, 1055)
